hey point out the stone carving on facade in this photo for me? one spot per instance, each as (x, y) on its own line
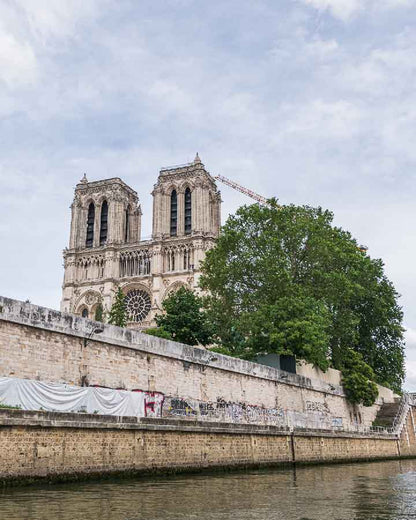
(175, 286)
(91, 298)
(86, 300)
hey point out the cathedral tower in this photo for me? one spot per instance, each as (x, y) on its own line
(186, 202)
(106, 251)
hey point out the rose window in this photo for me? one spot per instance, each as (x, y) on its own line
(138, 305)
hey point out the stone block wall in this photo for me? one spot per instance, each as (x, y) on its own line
(407, 445)
(69, 446)
(331, 448)
(37, 343)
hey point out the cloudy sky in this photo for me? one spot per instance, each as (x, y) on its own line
(312, 101)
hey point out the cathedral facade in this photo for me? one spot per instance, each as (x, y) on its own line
(106, 251)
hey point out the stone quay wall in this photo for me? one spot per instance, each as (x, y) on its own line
(203, 410)
(54, 446)
(191, 383)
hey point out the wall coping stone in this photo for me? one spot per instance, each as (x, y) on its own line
(63, 323)
(41, 419)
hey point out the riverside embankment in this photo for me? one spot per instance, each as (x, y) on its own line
(61, 447)
(197, 410)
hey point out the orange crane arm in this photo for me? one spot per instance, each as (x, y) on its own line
(261, 200)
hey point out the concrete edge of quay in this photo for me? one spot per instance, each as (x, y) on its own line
(43, 419)
(54, 447)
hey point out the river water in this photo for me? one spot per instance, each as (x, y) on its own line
(373, 491)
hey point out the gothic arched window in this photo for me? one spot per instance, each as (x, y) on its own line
(173, 214)
(90, 225)
(104, 223)
(188, 211)
(127, 225)
(84, 313)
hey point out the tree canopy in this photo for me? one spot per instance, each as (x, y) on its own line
(184, 319)
(286, 280)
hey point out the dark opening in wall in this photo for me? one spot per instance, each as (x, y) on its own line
(188, 211)
(127, 225)
(90, 225)
(173, 214)
(104, 223)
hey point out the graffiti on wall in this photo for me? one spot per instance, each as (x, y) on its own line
(316, 406)
(316, 413)
(178, 406)
(221, 410)
(153, 403)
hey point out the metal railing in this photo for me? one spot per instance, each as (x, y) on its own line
(396, 429)
(175, 167)
(401, 415)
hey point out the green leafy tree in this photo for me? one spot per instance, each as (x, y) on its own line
(160, 332)
(99, 312)
(358, 379)
(294, 325)
(118, 312)
(184, 318)
(286, 280)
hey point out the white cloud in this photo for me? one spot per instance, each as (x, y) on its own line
(56, 18)
(343, 9)
(28, 27)
(17, 61)
(322, 48)
(410, 338)
(332, 120)
(347, 9)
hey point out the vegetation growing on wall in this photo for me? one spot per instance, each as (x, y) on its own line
(286, 280)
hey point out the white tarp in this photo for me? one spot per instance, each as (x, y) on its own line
(59, 397)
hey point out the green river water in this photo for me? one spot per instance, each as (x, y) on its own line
(370, 491)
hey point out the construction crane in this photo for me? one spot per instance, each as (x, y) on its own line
(261, 200)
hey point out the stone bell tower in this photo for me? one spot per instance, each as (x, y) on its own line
(186, 203)
(105, 215)
(186, 223)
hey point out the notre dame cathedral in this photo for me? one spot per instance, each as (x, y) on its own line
(106, 251)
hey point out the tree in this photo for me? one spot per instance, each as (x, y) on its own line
(294, 325)
(118, 312)
(184, 319)
(159, 332)
(358, 379)
(99, 312)
(286, 280)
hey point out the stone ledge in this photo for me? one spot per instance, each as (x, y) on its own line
(39, 419)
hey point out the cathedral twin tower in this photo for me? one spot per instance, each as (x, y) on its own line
(106, 251)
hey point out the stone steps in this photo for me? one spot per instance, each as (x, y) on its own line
(387, 414)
